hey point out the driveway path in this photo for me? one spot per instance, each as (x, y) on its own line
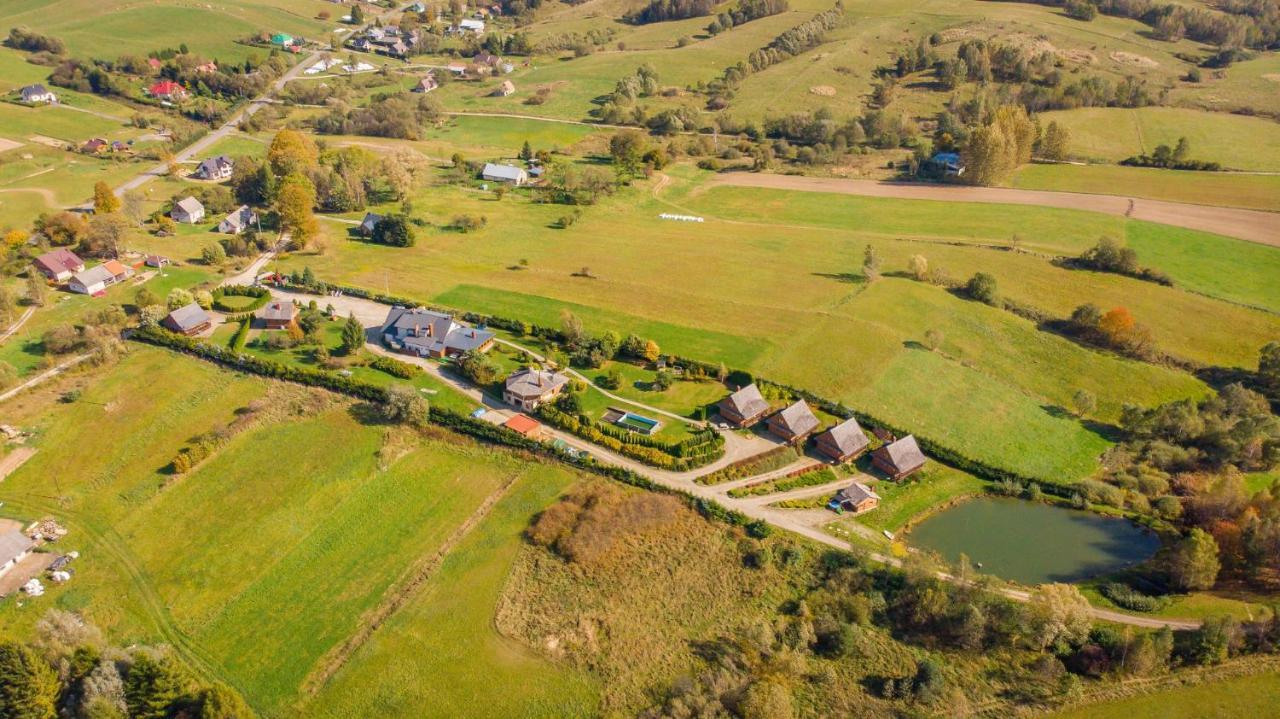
(1251, 225)
(17, 325)
(43, 376)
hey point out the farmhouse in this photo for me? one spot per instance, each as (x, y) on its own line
(37, 94)
(157, 261)
(856, 498)
(948, 164)
(899, 459)
(96, 280)
(504, 173)
(843, 442)
(744, 407)
(94, 146)
(215, 168)
(530, 388)
(432, 334)
(14, 547)
(427, 83)
(240, 219)
(506, 88)
(282, 39)
(277, 314)
(167, 90)
(793, 424)
(187, 210)
(188, 320)
(369, 224)
(59, 265)
(475, 27)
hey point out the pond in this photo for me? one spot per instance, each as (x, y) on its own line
(1034, 543)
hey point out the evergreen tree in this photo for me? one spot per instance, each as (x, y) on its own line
(28, 685)
(352, 335)
(152, 687)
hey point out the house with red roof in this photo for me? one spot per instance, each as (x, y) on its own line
(59, 265)
(167, 90)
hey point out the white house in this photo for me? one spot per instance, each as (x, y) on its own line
(504, 173)
(475, 27)
(215, 168)
(240, 219)
(529, 388)
(14, 547)
(97, 279)
(37, 94)
(187, 210)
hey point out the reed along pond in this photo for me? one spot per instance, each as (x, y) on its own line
(1034, 543)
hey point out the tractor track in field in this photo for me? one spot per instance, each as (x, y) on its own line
(398, 595)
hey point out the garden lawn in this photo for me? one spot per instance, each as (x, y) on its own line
(683, 397)
(925, 491)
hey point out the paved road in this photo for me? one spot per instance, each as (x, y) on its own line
(227, 128)
(738, 446)
(1252, 225)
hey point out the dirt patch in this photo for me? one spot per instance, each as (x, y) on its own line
(11, 461)
(33, 565)
(1272, 76)
(957, 33)
(1128, 58)
(823, 90)
(1040, 46)
(49, 141)
(7, 144)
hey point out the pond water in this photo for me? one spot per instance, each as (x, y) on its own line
(1034, 543)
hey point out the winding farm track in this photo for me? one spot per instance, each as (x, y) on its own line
(1252, 225)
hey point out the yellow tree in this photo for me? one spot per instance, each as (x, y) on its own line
(104, 200)
(1018, 127)
(294, 204)
(292, 152)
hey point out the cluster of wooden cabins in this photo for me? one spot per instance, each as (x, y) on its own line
(794, 424)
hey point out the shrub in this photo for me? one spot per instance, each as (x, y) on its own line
(1122, 595)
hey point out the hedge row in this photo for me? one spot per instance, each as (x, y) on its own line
(261, 294)
(395, 367)
(590, 431)
(241, 336)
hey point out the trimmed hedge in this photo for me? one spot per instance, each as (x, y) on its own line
(261, 296)
(241, 336)
(395, 367)
(641, 452)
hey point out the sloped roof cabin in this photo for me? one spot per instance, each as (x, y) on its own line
(794, 423)
(899, 459)
(744, 407)
(843, 442)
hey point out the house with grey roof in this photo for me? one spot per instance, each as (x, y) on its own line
(844, 442)
(215, 168)
(240, 219)
(899, 459)
(426, 333)
(744, 407)
(856, 498)
(504, 173)
(532, 387)
(369, 224)
(794, 423)
(14, 547)
(188, 210)
(36, 94)
(277, 314)
(188, 320)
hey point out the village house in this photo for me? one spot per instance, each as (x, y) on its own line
(207, 67)
(188, 320)
(167, 90)
(369, 224)
(855, 499)
(531, 388)
(844, 442)
(506, 88)
(240, 219)
(59, 265)
(215, 168)
(427, 83)
(947, 164)
(36, 94)
(95, 146)
(459, 69)
(432, 334)
(744, 407)
(487, 58)
(475, 27)
(14, 547)
(504, 173)
(188, 211)
(95, 280)
(899, 459)
(277, 314)
(794, 423)
(157, 261)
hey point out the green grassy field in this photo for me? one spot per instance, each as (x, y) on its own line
(324, 527)
(106, 30)
(900, 502)
(1224, 189)
(1244, 696)
(1236, 141)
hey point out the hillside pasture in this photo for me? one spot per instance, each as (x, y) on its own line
(1222, 189)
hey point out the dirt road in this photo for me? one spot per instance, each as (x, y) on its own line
(1251, 225)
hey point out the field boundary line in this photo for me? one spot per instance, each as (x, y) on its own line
(398, 595)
